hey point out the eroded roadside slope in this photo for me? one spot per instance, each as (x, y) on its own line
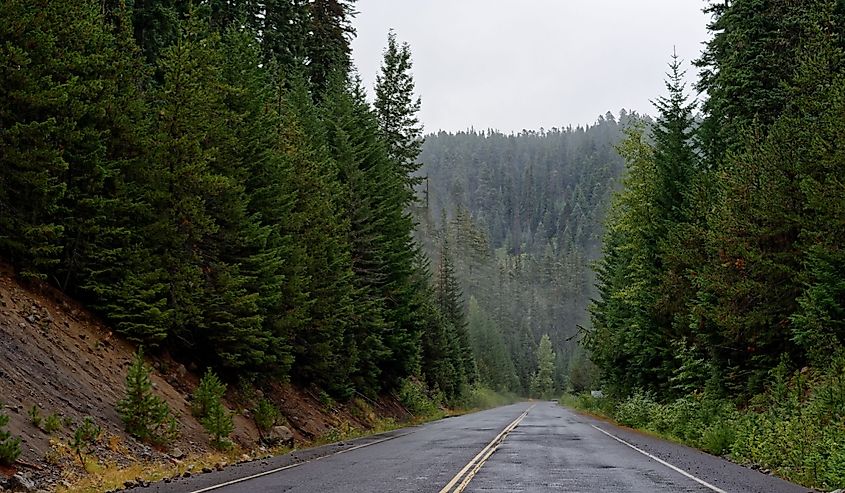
(59, 358)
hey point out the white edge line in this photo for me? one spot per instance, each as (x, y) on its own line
(291, 466)
(670, 466)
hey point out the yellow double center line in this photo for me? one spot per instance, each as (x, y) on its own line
(465, 475)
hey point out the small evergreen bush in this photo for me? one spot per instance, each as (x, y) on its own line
(265, 415)
(84, 436)
(35, 416)
(52, 423)
(208, 407)
(219, 424)
(10, 447)
(209, 391)
(145, 415)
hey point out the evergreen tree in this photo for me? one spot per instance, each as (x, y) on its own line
(209, 391)
(200, 229)
(320, 354)
(717, 269)
(145, 415)
(157, 25)
(818, 326)
(284, 33)
(494, 363)
(207, 406)
(363, 169)
(274, 257)
(327, 46)
(10, 447)
(543, 384)
(266, 416)
(750, 287)
(397, 106)
(625, 342)
(747, 64)
(449, 300)
(679, 233)
(56, 89)
(219, 424)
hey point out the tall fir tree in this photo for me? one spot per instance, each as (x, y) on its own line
(396, 106)
(284, 33)
(327, 46)
(321, 356)
(449, 299)
(156, 24)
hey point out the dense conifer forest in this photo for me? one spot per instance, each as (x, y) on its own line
(210, 178)
(521, 215)
(724, 249)
(721, 304)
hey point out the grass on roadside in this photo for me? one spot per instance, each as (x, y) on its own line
(795, 429)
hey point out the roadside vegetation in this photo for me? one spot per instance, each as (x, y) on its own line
(721, 316)
(795, 429)
(10, 446)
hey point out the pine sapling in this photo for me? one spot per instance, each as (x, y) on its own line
(265, 415)
(219, 424)
(10, 447)
(84, 436)
(52, 423)
(209, 391)
(145, 415)
(35, 416)
(207, 406)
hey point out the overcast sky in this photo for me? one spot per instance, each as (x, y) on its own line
(526, 64)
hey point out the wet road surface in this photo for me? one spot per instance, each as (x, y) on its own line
(525, 447)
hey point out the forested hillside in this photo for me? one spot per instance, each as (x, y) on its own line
(722, 277)
(520, 216)
(210, 178)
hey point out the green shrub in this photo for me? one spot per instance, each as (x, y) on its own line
(84, 436)
(207, 405)
(10, 447)
(414, 396)
(637, 411)
(265, 415)
(601, 406)
(480, 397)
(681, 419)
(209, 391)
(145, 415)
(52, 423)
(35, 416)
(832, 473)
(326, 401)
(718, 438)
(219, 424)
(796, 428)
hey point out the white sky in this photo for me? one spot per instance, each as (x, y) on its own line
(526, 64)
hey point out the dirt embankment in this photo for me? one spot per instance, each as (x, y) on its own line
(59, 358)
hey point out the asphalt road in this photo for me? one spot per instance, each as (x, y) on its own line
(526, 447)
